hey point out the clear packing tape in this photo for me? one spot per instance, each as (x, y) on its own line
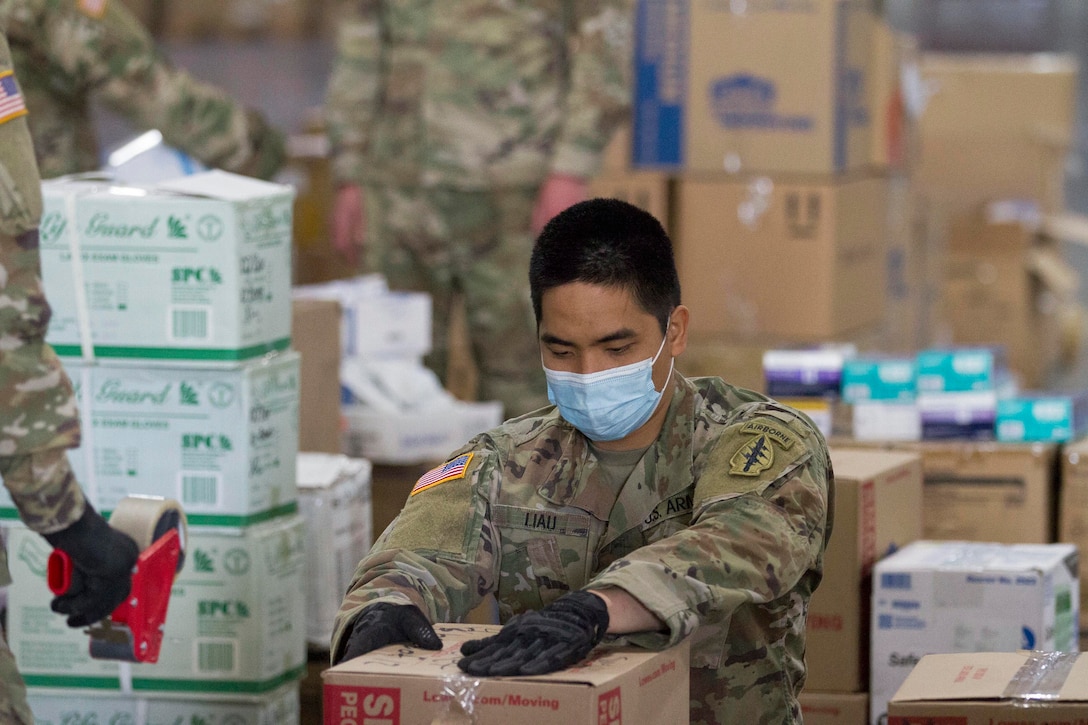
(458, 701)
(1041, 677)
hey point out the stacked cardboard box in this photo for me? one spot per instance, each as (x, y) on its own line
(1002, 279)
(172, 314)
(781, 124)
(878, 510)
(947, 596)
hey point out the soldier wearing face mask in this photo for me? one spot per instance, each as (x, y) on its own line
(641, 508)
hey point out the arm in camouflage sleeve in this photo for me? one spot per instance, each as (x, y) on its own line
(38, 419)
(352, 93)
(600, 84)
(751, 540)
(438, 554)
(115, 57)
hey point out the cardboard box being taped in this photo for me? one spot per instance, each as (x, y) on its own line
(401, 685)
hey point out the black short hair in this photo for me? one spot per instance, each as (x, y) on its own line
(611, 243)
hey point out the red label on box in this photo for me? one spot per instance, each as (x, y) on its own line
(609, 711)
(349, 705)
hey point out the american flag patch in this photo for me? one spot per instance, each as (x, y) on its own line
(93, 8)
(448, 471)
(11, 101)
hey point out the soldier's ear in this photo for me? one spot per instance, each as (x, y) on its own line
(677, 332)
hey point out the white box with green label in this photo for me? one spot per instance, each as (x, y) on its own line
(197, 268)
(236, 623)
(223, 442)
(276, 708)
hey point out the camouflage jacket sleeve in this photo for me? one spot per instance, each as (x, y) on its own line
(351, 96)
(759, 526)
(439, 553)
(101, 48)
(600, 90)
(37, 403)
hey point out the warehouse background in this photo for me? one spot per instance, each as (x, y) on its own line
(276, 55)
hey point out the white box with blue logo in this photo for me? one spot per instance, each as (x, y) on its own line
(752, 87)
(935, 597)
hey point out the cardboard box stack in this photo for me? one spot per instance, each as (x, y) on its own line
(878, 509)
(395, 411)
(945, 596)
(334, 501)
(782, 128)
(172, 315)
(1004, 280)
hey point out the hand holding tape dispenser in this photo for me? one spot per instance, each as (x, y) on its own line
(89, 568)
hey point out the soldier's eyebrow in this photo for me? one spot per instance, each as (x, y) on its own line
(549, 339)
(624, 333)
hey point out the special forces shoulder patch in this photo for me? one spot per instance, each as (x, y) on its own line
(12, 104)
(448, 471)
(749, 456)
(757, 455)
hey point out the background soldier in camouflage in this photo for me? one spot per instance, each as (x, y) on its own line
(38, 416)
(458, 128)
(708, 519)
(65, 51)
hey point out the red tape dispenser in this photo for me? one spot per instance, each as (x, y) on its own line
(134, 631)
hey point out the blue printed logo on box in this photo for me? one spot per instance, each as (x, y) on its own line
(744, 100)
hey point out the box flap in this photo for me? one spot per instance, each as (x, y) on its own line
(218, 184)
(866, 464)
(997, 676)
(602, 666)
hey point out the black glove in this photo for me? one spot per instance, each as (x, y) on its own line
(534, 643)
(102, 559)
(384, 623)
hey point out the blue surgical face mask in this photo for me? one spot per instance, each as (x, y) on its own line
(610, 404)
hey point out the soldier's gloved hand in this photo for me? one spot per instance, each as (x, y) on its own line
(102, 559)
(384, 623)
(534, 643)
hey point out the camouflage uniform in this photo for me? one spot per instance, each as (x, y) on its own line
(720, 531)
(450, 115)
(67, 50)
(38, 417)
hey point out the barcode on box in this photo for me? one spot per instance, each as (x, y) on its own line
(215, 656)
(199, 489)
(190, 323)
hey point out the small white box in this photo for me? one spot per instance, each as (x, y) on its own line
(377, 322)
(408, 437)
(235, 622)
(883, 420)
(198, 268)
(334, 500)
(934, 597)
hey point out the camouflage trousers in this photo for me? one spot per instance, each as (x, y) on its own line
(475, 244)
(14, 709)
